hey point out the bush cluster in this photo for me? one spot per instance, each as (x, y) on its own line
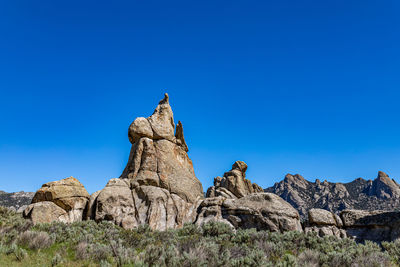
(214, 244)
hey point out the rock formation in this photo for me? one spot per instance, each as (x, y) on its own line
(158, 157)
(263, 211)
(63, 200)
(17, 201)
(145, 204)
(360, 225)
(239, 203)
(382, 193)
(158, 186)
(233, 184)
(371, 225)
(324, 223)
(383, 187)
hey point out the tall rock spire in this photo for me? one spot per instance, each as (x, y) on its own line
(158, 156)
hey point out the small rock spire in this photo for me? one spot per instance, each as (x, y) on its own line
(382, 174)
(180, 139)
(165, 100)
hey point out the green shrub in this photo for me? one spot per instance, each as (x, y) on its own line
(56, 260)
(216, 229)
(308, 258)
(20, 253)
(89, 243)
(393, 249)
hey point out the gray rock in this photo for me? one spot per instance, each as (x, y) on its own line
(382, 193)
(15, 200)
(384, 187)
(371, 225)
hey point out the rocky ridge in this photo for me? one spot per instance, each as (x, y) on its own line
(16, 201)
(237, 202)
(382, 193)
(158, 187)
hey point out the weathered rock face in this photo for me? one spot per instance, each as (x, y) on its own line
(360, 225)
(158, 157)
(324, 223)
(383, 187)
(233, 184)
(371, 225)
(46, 212)
(158, 186)
(263, 211)
(382, 193)
(65, 200)
(144, 204)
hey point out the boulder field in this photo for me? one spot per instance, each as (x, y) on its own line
(158, 187)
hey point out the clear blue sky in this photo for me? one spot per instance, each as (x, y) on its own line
(309, 87)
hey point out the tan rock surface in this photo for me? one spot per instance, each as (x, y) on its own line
(150, 205)
(158, 157)
(115, 203)
(324, 223)
(45, 212)
(233, 184)
(68, 194)
(63, 193)
(263, 211)
(321, 217)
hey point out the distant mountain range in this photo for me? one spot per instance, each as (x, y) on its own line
(382, 193)
(15, 200)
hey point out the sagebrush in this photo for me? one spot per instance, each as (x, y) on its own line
(89, 243)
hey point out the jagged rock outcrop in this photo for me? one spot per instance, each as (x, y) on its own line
(371, 225)
(383, 187)
(158, 157)
(145, 204)
(17, 201)
(324, 223)
(64, 200)
(234, 183)
(382, 193)
(360, 225)
(158, 186)
(263, 211)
